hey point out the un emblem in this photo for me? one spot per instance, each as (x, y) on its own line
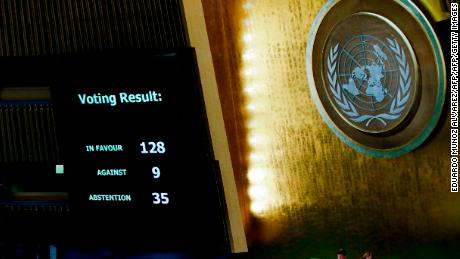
(372, 83)
(377, 74)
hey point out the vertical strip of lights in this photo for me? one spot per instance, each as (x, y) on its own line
(253, 71)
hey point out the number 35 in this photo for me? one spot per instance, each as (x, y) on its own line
(160, 198)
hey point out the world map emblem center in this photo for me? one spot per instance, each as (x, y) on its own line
(377, 74)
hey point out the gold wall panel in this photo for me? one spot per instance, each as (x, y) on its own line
(314, 194)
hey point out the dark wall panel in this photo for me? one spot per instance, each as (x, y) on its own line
(27, 134)
(43, 27)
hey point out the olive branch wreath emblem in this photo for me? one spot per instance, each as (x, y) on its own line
(397, 105)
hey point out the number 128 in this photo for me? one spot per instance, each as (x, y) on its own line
(153, 147)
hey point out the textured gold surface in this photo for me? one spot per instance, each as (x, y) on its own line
(436, 8)
(320, 194)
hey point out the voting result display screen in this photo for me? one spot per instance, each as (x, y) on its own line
(137, 154)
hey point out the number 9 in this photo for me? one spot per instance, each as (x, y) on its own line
(156, 172)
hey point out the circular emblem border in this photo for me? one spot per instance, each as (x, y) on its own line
(425, 133)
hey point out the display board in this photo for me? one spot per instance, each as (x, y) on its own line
(137, 155)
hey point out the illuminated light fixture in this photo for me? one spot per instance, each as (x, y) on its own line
(251, 107)
(249, 55)
(251, 124)
(247, 22)
(258, 207)
(253, 74)
(248, 6)
(250, 89)
(256, 176)
(247, 38)
(255, 157)
(249, 72)
(257, 193)
(256, 140)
